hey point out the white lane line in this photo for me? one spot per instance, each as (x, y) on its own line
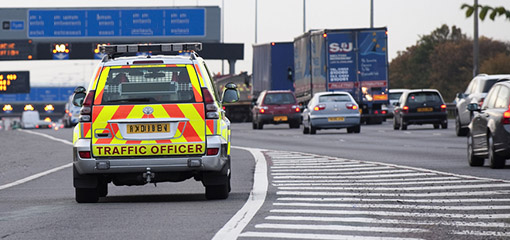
(441, 194)
(397, 200)
(393, 214)
(388, 221)
(330, 169)
(472, 186)
(232, 229)
(366, 173)
(393, 206)
(401, 182)
(339, 228)
(385, 181)
(356, 177)
(482, 233)
(41, 174)
(314, 236)
(292, 166)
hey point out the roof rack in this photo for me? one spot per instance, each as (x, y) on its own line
(114, 51)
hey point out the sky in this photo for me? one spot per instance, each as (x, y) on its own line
(280, 20)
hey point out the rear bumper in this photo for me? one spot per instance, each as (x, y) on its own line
(425, 118)
(269, 118)
(323, 122)
(156, 164)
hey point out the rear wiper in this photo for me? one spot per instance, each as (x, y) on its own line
(132, 100)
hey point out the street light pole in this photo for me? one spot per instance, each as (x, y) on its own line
(371, 13)
(475, 41)
(222, 33)
(256, 20)
(304, 15)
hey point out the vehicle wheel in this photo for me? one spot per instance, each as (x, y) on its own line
(350, 129)
(254, 125)
(395, 125)
(218, 191)
(357, 129)
(86, 195)
(313, 130)
(436, 125)
(306, 130)
(473, 160)
(403, 126)
(495, 161)
(459, 130)
(444, 125)
(102, 188)
(260, 125)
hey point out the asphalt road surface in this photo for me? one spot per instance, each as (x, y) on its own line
(379, 184)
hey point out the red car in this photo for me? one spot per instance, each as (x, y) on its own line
(275, 107)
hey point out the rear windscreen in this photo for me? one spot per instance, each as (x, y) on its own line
(423, 97)
(148, 85)
(279, 98)
(334, 98)
(488, 84)
(395, 96)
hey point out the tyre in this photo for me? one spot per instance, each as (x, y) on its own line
(306, 130)
(436, 125)
(218, 191)
(313, 130)
(444, 125)
(495, 161)
(474, 161)
(102, 188)
(403, 126)
(395, 125)
(350, 130)
(459, 130)
(260, 125)
(357, 129)
(86, 195)
(254, 125)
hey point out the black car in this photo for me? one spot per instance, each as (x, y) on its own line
(424, 106)
(489, 130)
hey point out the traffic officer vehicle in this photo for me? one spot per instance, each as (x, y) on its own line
(489, 131)
(151, 118)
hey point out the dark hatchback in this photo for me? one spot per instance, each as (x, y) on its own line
(424, 106)
(275, 107)
(489, 130)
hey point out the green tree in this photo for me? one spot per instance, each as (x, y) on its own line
(484, 10)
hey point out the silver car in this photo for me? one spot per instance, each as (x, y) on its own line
(331, 110)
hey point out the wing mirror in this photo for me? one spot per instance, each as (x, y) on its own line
(230, 93)
(473, 107)
(78, 96)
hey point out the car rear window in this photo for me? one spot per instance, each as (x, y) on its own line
(488, 84)
(279, 98)
(334, 98)
(395, 96)
(148, 85)
(423, 97)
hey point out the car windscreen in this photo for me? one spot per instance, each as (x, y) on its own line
(169, 84)
(488, 84)
(279, 98)
(423, 97)
(334, 98)
(395, 96)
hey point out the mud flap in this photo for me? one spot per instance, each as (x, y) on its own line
(84, 181)
(217, 178)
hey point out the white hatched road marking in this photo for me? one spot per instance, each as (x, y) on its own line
(361, 200)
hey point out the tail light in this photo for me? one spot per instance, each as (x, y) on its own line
(212, 151)
(210, 106)
(351, 106)
(405, 109)
(319, 107)
(376, 111)
(296, 108)
(480, 102)
(263, 109)
(84, 154)
(384, 112)
(506, 117)
(443, 108)
(86, 109)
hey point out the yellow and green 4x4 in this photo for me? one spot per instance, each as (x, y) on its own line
(148, 119)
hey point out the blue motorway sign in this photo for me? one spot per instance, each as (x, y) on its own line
(40, 94)
(116, 23)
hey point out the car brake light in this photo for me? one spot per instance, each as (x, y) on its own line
(84, 154)
(212, 151)
(506, 117)
(319, 107)
(210, 107)
(480, 102)
(443, 108)
(36, 126)
(296, 108)
(376, 112)
(86, 109)
(263, 109)
(383, 112)
(405, 109)
(351, 106)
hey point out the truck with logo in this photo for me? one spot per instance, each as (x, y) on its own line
(239, 111)
(273, 65)
(351, 60)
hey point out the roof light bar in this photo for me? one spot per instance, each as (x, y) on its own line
(155, 48)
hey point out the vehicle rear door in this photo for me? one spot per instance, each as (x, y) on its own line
(148, 110)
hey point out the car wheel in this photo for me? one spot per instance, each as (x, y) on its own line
(444, 125)
(86, 195)
(313, 130)
(395, 125)
(436, 125)
(260, 125)
(254, 125)
(306, 130)
(403, 126)
(102, 188)
(218, 191)
(459, 130)
(495, 161)
(357, 129)
(473, 160)
(350, 129)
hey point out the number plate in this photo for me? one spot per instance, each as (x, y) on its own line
(427, 109)
(148, 128)
(336, 119)
(280, 118)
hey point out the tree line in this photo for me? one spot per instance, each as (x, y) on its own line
(444, 60)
